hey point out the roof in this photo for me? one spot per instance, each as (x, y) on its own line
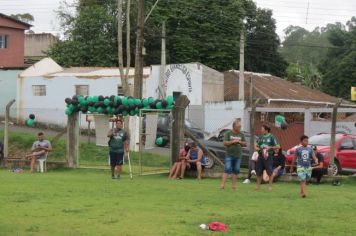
(16, 21)
(47, 67)
(275, 89)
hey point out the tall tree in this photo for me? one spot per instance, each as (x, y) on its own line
(339, 67)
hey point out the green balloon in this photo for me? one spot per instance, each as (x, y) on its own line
(145, 102)
(81, 100)
(170, 100)
(68, 111)
(150, 100)
(95, 99)
(30, 122)
(106, 102)
(130, 101)
(71, 107)
(99, 110)
(124, 101)
(159, 105)
(92, 109)
(125, 113)
(159, 141)
(137, 101)
(132, 113)
(170, 106)
(90, 99)
(116, 99)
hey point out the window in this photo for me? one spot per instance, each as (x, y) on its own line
(347, 144)
(3, 41)
(120, 91)
(39, 90)
(82, 90)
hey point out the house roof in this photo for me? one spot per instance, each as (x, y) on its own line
(16, 21)
(275, 89)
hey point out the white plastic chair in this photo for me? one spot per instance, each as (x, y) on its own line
(42, 164)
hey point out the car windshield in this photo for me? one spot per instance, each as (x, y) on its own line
(323, 139)
(190, 125)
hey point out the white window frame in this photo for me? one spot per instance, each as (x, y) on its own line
(4, 41)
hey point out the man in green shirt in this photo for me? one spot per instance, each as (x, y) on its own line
(265, 146)
(233, 141)
(118, 145)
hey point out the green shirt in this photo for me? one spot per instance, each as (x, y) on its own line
(234, 150)
(267, 140)
(116, 142)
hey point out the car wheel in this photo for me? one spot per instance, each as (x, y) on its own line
(334, 169)
(209, 162)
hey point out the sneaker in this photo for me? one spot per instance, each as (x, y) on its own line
(246, 181)
(253, 172)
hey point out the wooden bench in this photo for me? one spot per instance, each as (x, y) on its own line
(24, 163)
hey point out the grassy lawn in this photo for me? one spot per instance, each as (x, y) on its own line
(88, 202)
(90, 154)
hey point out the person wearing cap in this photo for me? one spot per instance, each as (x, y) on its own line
(39, 150)
(180, 166)
(196, 160)
(318, 169)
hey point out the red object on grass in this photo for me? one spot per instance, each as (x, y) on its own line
(218, 226)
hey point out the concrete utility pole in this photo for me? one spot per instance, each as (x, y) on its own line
(242, 65)
(162, 92)
(6, 130)
(333, 131)
(138, 80)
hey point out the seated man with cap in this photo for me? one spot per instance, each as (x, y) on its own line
(39, 150)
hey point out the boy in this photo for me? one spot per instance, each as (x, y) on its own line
(303, 155)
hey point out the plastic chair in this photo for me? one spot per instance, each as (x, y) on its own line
(42, 164)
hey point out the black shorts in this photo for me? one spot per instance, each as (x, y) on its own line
(116, 159)
(264, 164)
(193, 166)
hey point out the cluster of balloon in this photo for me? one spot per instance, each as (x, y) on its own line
(31, 120)
(115, 105)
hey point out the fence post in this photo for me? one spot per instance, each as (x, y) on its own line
(252, 126)
(6, 131)
(72, 140)
(178, 126)
(333, 131)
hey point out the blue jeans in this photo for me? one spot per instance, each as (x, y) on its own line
(232, 165)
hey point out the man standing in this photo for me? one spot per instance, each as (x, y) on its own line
(118, 145)
(233, 141)
(39, 150)
(265, 146)
(303, 155)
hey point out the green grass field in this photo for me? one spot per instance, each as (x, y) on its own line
(88, 202)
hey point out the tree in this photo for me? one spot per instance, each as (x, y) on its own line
(338, 69)
(90, 39)
(25, 17)
(197, 31)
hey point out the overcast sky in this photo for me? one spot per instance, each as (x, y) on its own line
(286, 12)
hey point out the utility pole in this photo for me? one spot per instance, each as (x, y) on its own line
(242, 65)
(162, 92)
(138, 80)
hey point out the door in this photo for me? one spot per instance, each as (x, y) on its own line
(347, 153)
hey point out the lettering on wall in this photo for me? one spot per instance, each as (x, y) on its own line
(184, 70)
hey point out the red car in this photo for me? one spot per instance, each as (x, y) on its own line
(345, 152)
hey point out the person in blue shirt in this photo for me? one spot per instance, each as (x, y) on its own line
(303, 156)
(196, 160)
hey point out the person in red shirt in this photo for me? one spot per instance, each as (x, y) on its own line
(179, 167)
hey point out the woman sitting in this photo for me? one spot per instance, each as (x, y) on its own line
(178, 168)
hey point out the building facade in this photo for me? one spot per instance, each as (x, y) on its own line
(12, 42)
